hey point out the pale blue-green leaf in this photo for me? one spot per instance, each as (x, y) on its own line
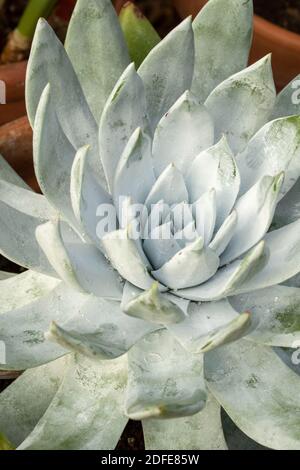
(5, 275)
(203, 431)
(100, 331)
(167, 71)
(288, 208)
(69, 101)
(89, 199)
(255, 211)
(223, 35)
(191, 266)
(169, 188)
(87, 411)
(215, 168)
(258, 391)
(282, 262)
(288, 100)
(80, 265)
(21, 211)
(124, 254)
(182, 133)
(154, 307)
(19, 290)
(205, 214)
(22, 328)
(275, 148)
(229, 279)
(7, 173)
(124, 112)
(97, 49)
(209, 325)
(160, 247)
(224, 234)
(134, 176)
(275, 314)
(242, 104)
(23, 404)
(53, 157)
(164, 380)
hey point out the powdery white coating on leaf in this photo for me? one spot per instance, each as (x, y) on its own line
(258, 391)
(209, 325)
(125, 111)
(274, 149)
(288, 100)
(275, 314)
(182, 133)
(22, 328)
(8, 174)
(168, 69)
(223, 34)
(164, 380)
(203, 431)
(87, 411)
(248, 98)
(94, 31)
(99, 330)
(23, 404)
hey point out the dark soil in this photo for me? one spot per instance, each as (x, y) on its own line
(285, 13)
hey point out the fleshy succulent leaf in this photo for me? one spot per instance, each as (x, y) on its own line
(139, 33)
(262, 403)
(265, 154)
(288, 100)
(189, 127)
(203, 431)
(100, 386)
(275, 314)
(251, 89)
(282, 262)
(87, 195)
(124, 112)
(125, 256)
(167, 71)
(70, 104)
(223, 35)
(24, 402)
(190, 267)
(164, 381)
(258, 205)
(94, 31)
(102, 331)
(215, 168)
(135, 165)
(21, 212)
(210, 325)
(82, 266)
(53, 157)
(9, 175)
(230, 279)
(154, 307)
(164, 188)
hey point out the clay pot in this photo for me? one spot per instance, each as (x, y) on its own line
(16, 147)
(268, 37)
(9, 374)
(13, 76)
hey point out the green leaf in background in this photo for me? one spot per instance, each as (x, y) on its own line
(139, 33)
(5, 444)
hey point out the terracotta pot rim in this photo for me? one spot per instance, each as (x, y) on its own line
(279, 33)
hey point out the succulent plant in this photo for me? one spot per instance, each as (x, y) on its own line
(181, 321)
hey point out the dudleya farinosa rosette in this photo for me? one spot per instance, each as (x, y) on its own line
(180, 319)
